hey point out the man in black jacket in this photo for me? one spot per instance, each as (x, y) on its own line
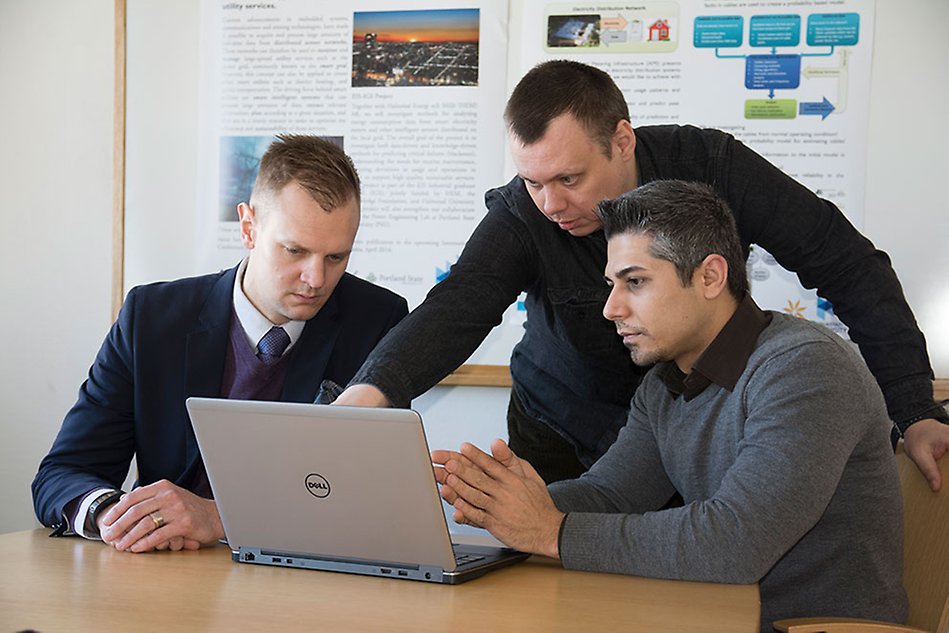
(573, 146)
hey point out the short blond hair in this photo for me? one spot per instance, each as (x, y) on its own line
(318, 165)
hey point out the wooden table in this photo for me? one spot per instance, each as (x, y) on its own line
(70, 584)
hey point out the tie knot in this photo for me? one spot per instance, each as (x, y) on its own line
(272, 345)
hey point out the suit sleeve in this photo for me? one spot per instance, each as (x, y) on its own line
(95, 445)
(811, 237)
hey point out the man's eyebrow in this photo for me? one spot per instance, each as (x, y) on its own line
(625, 271)
(569, 172)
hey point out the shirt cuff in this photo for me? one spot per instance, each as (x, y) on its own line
(936, 412)
(563, 522)
(79, 521)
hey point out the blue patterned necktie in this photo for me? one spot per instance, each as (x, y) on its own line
(272, 345)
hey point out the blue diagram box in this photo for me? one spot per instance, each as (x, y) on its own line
(772, 71)
(833, 29)
(774, 30)
(723, 31)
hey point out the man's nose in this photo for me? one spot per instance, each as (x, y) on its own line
(614, 309)
(554, 202)
(314, 273)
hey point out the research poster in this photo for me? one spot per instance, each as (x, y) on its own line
(415, 96)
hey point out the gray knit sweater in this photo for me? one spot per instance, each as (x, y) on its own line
(788, 480)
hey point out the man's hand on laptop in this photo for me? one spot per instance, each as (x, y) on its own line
(501, 493)
(362, 396)
(160, 516)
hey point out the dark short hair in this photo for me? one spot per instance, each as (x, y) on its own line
(687, 222)
(318, 165)
(566, 87)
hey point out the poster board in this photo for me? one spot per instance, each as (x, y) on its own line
(746, 71)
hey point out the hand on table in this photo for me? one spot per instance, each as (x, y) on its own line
(160, 516)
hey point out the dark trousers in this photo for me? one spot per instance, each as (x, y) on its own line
(553, 457)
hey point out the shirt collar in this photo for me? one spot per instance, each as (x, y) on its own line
(725, 358)
(254, 324)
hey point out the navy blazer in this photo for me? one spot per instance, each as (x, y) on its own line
(168, 344)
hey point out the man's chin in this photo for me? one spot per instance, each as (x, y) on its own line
(303, 313)
(582, 231)
(642, 358)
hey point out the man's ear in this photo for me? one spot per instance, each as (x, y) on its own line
(248, 224)
(624, 140)
(714, 276)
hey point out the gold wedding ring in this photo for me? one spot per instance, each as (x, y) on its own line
(157, 518)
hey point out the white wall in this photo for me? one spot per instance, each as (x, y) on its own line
(907, 212)
(55, 174)
(56, 210)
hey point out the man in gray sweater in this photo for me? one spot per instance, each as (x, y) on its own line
(770, 427)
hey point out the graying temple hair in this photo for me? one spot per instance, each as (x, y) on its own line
(687, 221)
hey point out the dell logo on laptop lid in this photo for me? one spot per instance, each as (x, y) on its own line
(317, 485)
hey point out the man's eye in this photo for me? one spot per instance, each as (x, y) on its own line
(291, 250)
(569, 180)
(635, 282)
(336, 258)
(532, 184)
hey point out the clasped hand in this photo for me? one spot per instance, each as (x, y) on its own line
(187, 520)
(501, 493)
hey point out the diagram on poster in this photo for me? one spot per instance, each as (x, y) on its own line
(650, 27)
(782, 71)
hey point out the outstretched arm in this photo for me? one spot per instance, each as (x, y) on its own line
(456, 316)
(812, 238)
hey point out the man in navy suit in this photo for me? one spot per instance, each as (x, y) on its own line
(275, 327)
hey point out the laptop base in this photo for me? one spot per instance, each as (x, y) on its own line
(478, 560)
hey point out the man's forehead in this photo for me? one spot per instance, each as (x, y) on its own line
(627, 252)
(560, 129)
(544, 163)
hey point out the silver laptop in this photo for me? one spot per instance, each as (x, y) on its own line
(333, 488)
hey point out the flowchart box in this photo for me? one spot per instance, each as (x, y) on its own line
(833, 29)
(774, 30)
(770, 108)
(724, 31)
(772, 71)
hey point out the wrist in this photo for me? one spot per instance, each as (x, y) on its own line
(363, 395)
(554, 548)
(97, 509)
(936, 412)
(219, 534)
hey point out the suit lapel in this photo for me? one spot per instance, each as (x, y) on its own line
(312, 354)
(205, 349)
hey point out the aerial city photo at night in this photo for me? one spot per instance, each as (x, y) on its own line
(416, 48)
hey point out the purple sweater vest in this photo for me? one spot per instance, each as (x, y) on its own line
(246, 377)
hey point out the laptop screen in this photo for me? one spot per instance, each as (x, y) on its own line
(331, 481)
